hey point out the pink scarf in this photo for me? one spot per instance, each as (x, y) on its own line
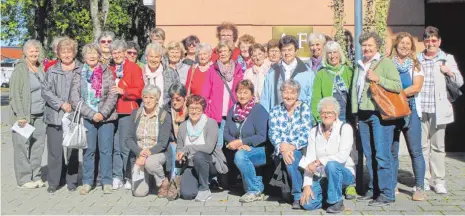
(240, 114)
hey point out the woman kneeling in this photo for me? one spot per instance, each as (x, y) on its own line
(328, 164)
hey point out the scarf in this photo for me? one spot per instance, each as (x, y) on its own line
(227, 71)
(262, 69)
(315, 63)
(194, 132)
(119, 70)
(335, 70)
(404, 69)
(240, 114)
(95, 79)
(152, 76)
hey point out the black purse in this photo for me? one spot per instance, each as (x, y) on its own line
(453, 90)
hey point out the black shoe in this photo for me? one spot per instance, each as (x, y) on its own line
(296, 204)
(366, 197)
(51, 189)
(380, 201)
(336, 207)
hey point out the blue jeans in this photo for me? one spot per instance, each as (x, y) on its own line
(101, 133)
(296, 175)
(120, 149)
(246, 161)
(220, 142)
(337, 177)
(377, 137)
(412, 134)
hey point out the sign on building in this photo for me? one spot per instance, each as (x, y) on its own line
(300, 32)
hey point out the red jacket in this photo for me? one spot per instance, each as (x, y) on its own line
(235, 54)
(49, 63)
(132, 84)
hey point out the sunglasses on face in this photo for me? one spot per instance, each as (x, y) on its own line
(105, 41)
(431, 41)
(131, 53)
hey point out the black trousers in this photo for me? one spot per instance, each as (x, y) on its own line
(56, 168)
(195, 179)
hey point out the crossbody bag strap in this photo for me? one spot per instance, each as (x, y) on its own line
(227, 86)
(190, 80)
(337, 89)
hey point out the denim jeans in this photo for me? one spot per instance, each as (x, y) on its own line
(337, 177)
(220, 142)
(377, 137)
(412, 134)
(120, 150)
(101, 133)
(246, 161)
(296, 175)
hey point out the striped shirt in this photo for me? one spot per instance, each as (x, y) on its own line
(428, 102)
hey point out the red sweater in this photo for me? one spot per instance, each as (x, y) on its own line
(49, 63)
(216, 56)
(132, 84)
(198, 80)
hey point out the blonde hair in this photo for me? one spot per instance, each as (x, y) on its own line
(222, 44)
(246, 38)
(176, 45)
(412, 55)
(331, 46)
(89, 48)
(67, 43)
(158, 32)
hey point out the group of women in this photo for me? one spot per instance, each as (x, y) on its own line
(190, 116)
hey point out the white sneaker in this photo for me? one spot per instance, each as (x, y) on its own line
(440, 189)
(29, 185)
(425, 188)
(40, 183)
(117, 184)
(128, 185)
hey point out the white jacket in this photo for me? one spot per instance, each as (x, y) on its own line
(444, 109)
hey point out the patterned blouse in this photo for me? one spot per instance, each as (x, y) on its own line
(147, 130)
(293, 130)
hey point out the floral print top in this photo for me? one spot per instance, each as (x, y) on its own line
(293, 130)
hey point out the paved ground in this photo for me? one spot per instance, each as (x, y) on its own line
(38, 201)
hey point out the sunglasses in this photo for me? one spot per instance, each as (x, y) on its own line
(431, 41)
(131, 53)
(105, 41)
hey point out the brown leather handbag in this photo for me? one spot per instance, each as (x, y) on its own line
(391, 105)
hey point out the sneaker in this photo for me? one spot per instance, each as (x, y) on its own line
(29, 185)
(351, 193)
(117, 184)
(163, 190)
(85, 189)
(336, 207)
(440, 189)
(427, 187)
(203, 196)
(380, 202)
(174, 189)
(251, 197)
(396, 192)
(128, 185)
(107, 189)
(40, 183)
(368, 196)
(418, 195)
(51, 189)
(296, 204)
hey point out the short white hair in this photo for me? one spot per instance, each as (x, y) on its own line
(332, 46)
(32, 43)
(329, 101)
(291, 84)
(313, 37)
(203, 47)
(118, 45)
(152, 90)
(155, 47)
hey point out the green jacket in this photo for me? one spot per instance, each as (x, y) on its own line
(389, 79)
(323, 87)
(20, 92)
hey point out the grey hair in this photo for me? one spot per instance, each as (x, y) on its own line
(90, 47)
(57, 40)
(329, 101)
(177, 88)
(32, 42)
(155, 47)
(152, 90)
(316, 37)
(292, 84)
(330, 47)
(106, 34)
(201, 47)
(367, 35)
(118, 45)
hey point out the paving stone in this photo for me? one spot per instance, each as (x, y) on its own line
(316, 212)
(262, 203)
(181, 213)
(246, 209)
(453, 212)
(225, 203)
(447, 202)
(168, 209)
(372, 213)
(221, 213)
(188, 203)
(260, 213)
(440, 208)
(422, 213)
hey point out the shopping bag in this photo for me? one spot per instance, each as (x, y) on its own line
(76, 136)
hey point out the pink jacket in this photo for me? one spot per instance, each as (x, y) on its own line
(213, 92)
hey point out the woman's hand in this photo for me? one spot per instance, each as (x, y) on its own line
(372, 76)
(311, 168)
(66, 107)
(285, 147)
(140, 161)
(22, 123)
(445, 70)
(145, 153)
(288, 157)
(180, 157)
(117, 90)
(306, 195)
(98, 117)
(234, 145)
(244, 147)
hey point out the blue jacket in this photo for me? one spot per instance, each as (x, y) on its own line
(271, 96)
(254, 129)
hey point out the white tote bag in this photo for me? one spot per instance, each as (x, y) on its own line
(76, 137)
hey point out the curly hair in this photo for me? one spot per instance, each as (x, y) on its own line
(228, 26)
(246, 38)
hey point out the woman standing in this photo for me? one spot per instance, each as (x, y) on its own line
(258, 71)
(91, 87)
(176, 52)
(197, 73)
(27, 107)
(334, 79)
(190, 43)
(316, 42)
(371, 125)
(104, 41)
(55, 91)
(244, 43)
(412, 76)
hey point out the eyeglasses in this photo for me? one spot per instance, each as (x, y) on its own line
(191, 44)
(225, 35)
(195, 109)
(431, 41)
(105, 41)
(131, 53)
(327, 113)
(177, 99)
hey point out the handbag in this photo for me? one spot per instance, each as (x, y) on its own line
(76, 137)
(453, 90)
(391, 105)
